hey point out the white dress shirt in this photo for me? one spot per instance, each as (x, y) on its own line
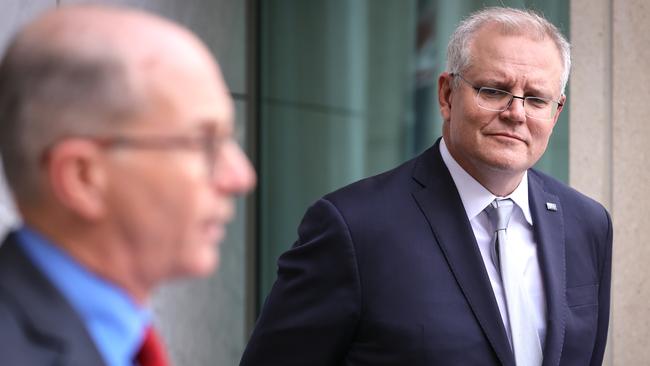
(475, 199)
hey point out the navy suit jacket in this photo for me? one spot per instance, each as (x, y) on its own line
(38, 327)
(387, 271)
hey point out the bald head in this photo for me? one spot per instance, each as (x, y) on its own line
(137, 39)
(83, 70)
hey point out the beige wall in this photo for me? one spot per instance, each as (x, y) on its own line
(610, 152)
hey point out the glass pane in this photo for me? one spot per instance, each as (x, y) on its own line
(349, 89)
(335, 91)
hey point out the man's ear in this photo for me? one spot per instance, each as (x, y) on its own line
(76, 175)
(560, 109)
(445, 94)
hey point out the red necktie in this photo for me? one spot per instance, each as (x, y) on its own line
(152, 352)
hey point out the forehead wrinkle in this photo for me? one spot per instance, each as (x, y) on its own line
(500, 79)
(503, 70)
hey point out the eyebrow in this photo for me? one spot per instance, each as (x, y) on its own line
(218, 126)
(536, 92)
(506, 85)
(493, 82)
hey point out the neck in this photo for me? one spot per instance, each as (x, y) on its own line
(499, 181)
(499, 185)
(100, 254)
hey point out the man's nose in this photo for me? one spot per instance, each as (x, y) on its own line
(234, 174)
(516, 110)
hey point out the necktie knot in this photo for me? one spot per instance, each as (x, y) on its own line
(499, 212)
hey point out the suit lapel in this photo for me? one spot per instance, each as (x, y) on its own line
(48, 318)
(441, 205)
(548, 227)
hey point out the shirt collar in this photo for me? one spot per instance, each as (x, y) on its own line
(114, 321)
(474, 196)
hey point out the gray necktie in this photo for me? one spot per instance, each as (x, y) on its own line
(524, 337)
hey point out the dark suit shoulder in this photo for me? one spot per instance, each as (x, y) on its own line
(11, 332)
(390, 182)
(20, 342)
(573, 201)
(37, 324)
(18, 346)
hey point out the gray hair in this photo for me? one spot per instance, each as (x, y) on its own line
(512, 21)
(49, 91)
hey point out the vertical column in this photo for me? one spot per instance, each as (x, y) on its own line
(590, 144)
(630, 177)
(610, 150)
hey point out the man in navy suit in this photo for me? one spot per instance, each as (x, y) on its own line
(410, 267)
(116, 133)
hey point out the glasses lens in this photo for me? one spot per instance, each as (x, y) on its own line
(540, 108)
(499, 100)
(209, 145)
(493, 99)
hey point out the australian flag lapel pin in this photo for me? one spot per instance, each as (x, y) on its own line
(551, 206)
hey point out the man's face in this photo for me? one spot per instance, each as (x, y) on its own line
(490, 144)
(165, 204)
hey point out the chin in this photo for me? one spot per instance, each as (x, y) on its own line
(506, 160)
(207, 266)
(202, 265)
(502, 165)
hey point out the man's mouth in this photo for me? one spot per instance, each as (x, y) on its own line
(507, 135)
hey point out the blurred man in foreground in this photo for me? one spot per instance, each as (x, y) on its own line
(116, 135)
(464, 255)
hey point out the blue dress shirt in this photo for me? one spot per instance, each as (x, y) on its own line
(115, 322)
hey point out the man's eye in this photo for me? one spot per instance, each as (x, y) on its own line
(492, 93)
(538, 102)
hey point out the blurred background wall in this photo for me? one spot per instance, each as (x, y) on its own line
(329, 91)
(203, 321)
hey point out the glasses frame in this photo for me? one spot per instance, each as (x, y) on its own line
(478, 90)
(207, 141)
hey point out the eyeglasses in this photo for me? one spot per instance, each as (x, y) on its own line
(498, 100)
(206, 141)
